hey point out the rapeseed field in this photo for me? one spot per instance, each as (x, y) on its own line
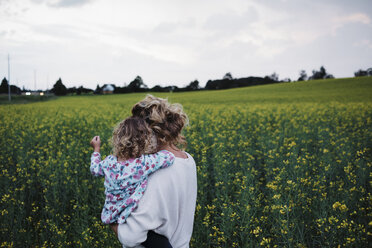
(285, 165)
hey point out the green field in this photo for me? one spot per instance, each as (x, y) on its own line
(283, 165)
(22, 99)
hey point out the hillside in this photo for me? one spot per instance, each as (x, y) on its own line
(320, 91)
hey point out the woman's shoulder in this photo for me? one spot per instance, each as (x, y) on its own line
(181, 167)
(185, 157)
(176, 154)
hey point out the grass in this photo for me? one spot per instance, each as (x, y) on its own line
(22, 99)
(282, 165)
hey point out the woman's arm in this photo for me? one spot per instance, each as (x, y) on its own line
(134, 231)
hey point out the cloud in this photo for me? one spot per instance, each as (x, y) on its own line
(170, 27)
(352, 18)
(2, 2)
(139, 43)
(230, 21)
(363, 43)
(63, 3)
(69, 3)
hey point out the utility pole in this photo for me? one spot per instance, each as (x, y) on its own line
(9, 78)
(46, 92)
(35, 81)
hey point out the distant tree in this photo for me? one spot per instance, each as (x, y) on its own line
(137, 85)
(210, 85)
(274, 77)
(194, 85)
(228, 76)
(287, 80)
(157, 88)
(15, 90)
(82, 90)
(360, 73)
(79, 90)
(303, 76)
(172, 88)
(71, 90)
(329, 76)
(4, 86)
(237, 82)
(59, 89)
(98, 90)
(321, 74)
(318, 74)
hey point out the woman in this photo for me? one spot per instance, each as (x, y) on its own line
(168, 204)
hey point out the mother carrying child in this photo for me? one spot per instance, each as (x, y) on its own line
(150, 183)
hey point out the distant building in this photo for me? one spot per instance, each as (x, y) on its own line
(108, 89)
(32, 93)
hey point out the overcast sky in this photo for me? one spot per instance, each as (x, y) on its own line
(172, 42)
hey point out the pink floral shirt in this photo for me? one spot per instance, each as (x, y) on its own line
(126, 181)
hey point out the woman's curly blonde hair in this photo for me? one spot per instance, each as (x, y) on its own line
(131, 138)
(166, 120)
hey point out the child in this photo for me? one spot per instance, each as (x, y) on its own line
(126, 171)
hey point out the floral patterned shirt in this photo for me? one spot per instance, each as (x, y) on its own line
(126, 181)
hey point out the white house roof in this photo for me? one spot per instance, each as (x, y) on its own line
(108, 87)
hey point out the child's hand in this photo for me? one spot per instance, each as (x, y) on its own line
(96, 143)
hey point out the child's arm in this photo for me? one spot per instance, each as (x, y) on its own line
(96, 164)
(95, 160)
(153, 162)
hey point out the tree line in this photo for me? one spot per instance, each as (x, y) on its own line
(227, 82)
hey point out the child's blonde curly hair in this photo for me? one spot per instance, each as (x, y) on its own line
(165, 119)
(131, 138)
